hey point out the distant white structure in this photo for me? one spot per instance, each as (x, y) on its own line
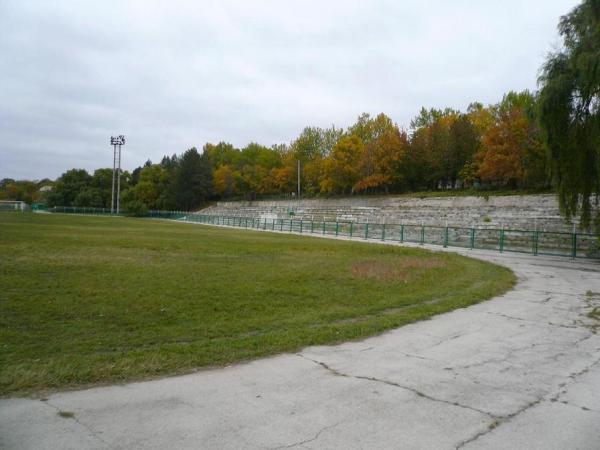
(46, 188)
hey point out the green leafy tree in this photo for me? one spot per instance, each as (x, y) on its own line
(89, 196)
(464, 143)
(152, 187)
(68, 186)
(569, 105)
(432, 150)
(102, 182)
(221, 154)
(192, 180)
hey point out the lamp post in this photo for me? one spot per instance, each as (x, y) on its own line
(116, 141)
(298, 180)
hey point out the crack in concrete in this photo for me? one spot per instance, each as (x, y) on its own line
(499, 421)
(496, 420)
(558, 325)
(424, 358)
(306, 441)
(573, 377)
(502, 359)
(80, 423)
(391, 383)
(574, 405)
(507, 418)
(447, 339)
(506, 316)
(477, 435)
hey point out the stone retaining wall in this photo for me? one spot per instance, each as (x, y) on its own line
(524, 212)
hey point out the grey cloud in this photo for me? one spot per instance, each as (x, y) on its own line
(171, 75)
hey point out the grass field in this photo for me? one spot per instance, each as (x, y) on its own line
(88, 300)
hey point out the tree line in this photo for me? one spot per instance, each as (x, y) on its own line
(498, 146)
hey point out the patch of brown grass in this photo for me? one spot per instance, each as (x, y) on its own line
(404, 269)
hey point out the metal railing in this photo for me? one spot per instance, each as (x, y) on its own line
(106, 212)
(573, 245)
(533, 242)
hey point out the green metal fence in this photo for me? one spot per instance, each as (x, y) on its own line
(106, 212)
(8, 205)
(82, 210)
(573, 245)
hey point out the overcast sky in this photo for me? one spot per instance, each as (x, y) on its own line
(171, 75)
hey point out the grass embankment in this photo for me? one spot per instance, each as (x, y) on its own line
(412, 194)
(96, 299)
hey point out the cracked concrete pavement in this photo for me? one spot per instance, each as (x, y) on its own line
(521, 371)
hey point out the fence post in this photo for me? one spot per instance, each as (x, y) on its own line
(501, 243)
(422, 234)
(574, 245)
(367, 230)
(323, 226)
(446, 236)
(351, 227)
(337, 227)
(472, 238)
(535, 243)
(301, 224)
(402, 233)
(383, 232)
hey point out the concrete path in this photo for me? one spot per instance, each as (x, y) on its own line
(521, 371)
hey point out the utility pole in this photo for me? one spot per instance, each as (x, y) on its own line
(298, 180)
(112, 191)
(116, 142)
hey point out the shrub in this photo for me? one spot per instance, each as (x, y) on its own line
(136, 208)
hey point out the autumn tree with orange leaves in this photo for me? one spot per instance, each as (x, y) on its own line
(512, 150)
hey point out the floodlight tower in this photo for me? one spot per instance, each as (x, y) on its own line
(116, 141)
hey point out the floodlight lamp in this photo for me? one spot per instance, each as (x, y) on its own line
(117, 140)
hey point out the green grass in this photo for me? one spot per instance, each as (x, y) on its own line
(88, 300)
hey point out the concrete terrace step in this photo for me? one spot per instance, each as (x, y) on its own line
(539, 212)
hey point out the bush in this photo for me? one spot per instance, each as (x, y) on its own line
(136, 208)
